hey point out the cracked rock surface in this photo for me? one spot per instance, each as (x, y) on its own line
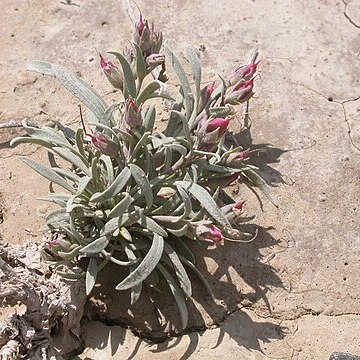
(294, 292)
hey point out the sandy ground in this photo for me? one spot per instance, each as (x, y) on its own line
(294, 292)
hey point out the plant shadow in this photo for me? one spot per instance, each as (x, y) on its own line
(235, 271)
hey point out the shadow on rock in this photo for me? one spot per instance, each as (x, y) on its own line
(235, 271)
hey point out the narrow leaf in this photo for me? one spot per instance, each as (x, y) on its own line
(143, 183)
(205, 199)
(49, 174)
(96, 246)
(91, 274)
(178, 295)
(257, 180)
(148, 264)
(42, 67)
(119, 183)
(183, 277)
(129, 81)
(72, 158)
(149, 119)
(189, 105)
(140, 63)
(148, 91)
(88, 96)
(199, 274)
(121, 207)
(148, 223)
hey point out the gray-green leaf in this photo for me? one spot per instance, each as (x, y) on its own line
(148, 264)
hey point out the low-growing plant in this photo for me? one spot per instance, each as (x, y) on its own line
(136, 196)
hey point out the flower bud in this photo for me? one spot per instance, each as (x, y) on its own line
(104, 144)
(60, 243)
(237, 157)
(233, 211)
(205, 95)
(239, 93)
(209, 232)
(112, 72)
(132, 114)
(211, 131)
(242, 72)
(147, 38)
(154, 60)
(140, 25)
(218, 124)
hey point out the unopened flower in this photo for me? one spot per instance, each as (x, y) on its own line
(112, 72)
(209, 232)
(211, 131)
(154, 60)
(239, 93)
(237, 157)
(205, 96)
(218, 124)
(132, 114)
(147, 38)
(233, 211)
(61, 243)
(242, 72)
(104, 144)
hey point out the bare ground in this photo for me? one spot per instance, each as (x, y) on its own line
(294, 292)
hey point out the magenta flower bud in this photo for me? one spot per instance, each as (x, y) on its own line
(112, 72)
(154, 60)
(205, 96)
(104, 144)
(147, 38)
(250, 70)
(242, 72)
(210, 89)
(233, 210)
(140, 25)
(132, 114)
(239, 206)
(239, 93)
(211, 131)
(209, 232)
(218, 124)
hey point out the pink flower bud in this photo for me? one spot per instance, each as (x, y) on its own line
(154, 60)
(210, 89)
(61, 243)
(112, 72)
(147, 38)
(104, 144)
(209, 232)
(132, 114)
(211, 131)
(250, 70)
(239, 206)
(237, 158)
(239, 93)
(242, 72)
(218, 124)
(140, 25)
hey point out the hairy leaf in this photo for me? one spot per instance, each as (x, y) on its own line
(49, 174)
(91, 274)
(148, 264)
(118, 184)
